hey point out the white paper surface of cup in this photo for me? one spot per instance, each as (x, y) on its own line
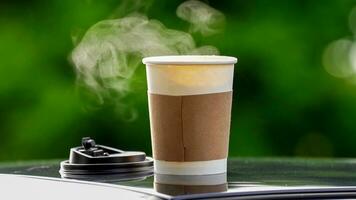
(189, 75)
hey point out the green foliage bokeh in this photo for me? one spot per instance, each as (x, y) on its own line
(285, 103)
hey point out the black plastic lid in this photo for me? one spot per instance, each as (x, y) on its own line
(91, 162)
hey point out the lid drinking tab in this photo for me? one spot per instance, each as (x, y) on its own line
(92, 162)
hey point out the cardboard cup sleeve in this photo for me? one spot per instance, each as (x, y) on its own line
(190, 128)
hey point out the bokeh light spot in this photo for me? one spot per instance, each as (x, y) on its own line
(336, 58)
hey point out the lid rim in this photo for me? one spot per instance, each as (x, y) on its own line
(190, 59)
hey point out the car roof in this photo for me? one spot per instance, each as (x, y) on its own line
(246, 176)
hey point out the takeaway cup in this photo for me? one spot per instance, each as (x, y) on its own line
(190, 99)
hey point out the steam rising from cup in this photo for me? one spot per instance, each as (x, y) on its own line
(109, 53)
(203, 18)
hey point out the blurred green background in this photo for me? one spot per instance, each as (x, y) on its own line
(285, 102)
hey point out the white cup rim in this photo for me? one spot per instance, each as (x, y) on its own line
(190, 59)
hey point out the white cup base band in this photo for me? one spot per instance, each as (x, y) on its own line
(190, 168)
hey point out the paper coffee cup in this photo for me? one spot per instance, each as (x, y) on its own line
(190, 100)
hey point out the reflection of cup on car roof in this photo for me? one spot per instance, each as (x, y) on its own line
(190, 101)
(190, 184)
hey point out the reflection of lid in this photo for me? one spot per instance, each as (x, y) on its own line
(92, 161)
(190, 59)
